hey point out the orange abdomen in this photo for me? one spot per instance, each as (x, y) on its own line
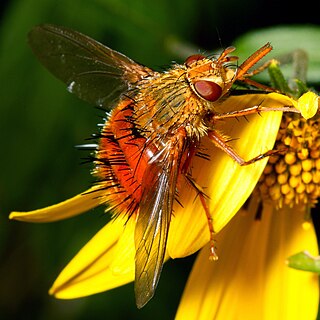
(122, 159)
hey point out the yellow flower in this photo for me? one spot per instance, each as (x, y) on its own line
(251, 279)
(107, 260)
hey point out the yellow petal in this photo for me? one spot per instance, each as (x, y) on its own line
(224, 181)
(66, 209)
(251, 279)
(105, 262)
(281, 100)
(308, 104)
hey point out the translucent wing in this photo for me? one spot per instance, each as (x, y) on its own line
(152, 227)
(92, 71)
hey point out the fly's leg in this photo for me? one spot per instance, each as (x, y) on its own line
(251, 110)
(220, 141)
(252, 60)
(213, 255)
(244, 76)
(200, 193)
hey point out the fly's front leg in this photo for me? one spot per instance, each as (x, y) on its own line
(245, 77)
(251, 110)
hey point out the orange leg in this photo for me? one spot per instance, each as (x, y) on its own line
(252, 60)
(220, 142)
(202, 196)
(251, 110)
(213, 254)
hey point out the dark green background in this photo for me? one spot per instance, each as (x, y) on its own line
(41, 122)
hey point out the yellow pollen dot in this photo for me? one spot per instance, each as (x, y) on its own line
(316, 177)
(285, 189)
(290, 158)
(307, 164)
(280, 167)
(282, 178)
(287, 141)
(318, 163)
(300, 188)
(301, 198)
(315, 154)
(273, 159)
(275, 192)
(295, 125)
(295, 169)
(290, 195)
(294, 181)
(306, 177)
(303, 154)
(268, 169)
(264, 189)
(270, 180)
(310, 188)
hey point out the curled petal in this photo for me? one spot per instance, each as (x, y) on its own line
(251, 279)
(105, 262)
(63, 210)
(226, 184)
(308, 104)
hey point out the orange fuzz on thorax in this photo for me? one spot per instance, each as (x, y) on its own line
(168, 101)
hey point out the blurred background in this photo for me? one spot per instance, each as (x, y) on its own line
(41, 122)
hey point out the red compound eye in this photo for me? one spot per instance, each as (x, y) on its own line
(208, 90)
(193, 58)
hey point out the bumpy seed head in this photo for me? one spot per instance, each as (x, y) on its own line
(293, 178)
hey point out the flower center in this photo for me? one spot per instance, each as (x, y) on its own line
(292, 178)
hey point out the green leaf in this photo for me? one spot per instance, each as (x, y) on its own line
(276, 77)
(304, 261)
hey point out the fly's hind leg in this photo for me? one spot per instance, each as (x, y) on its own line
(202, 196)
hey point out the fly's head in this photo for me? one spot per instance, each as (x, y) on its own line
(211, 79)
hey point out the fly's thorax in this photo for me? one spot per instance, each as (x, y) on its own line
(167, 102)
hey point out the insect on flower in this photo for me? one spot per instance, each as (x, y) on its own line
(152, 133)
